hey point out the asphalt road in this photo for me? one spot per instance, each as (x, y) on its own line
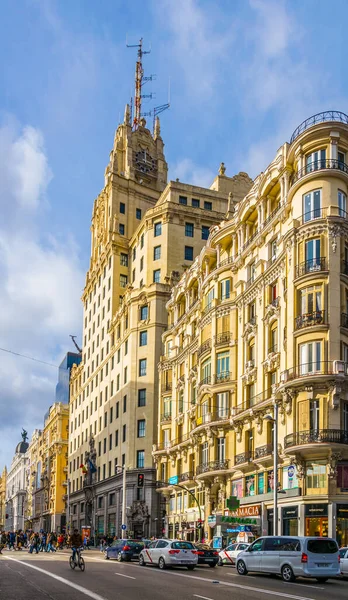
(49, 577)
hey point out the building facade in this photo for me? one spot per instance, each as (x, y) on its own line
(3, 479)
(261, 319)
(145, 233)
(16, 488)
(35, 494)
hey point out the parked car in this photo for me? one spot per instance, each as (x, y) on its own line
(291, 557)
(344, 560)
(124, 550)
(229, 554)
(169, 553)
(206, 555)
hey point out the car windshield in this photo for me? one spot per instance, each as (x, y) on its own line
(132, 544)
(343, 552)
(182, 546)
(202, 546)
(232, 547)
(322, 546)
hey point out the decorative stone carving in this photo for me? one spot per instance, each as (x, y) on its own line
(249, 330)
(335, 392)
(334, 231)
(272, 362)
(332, 464)
(249, 375)
(300, 467)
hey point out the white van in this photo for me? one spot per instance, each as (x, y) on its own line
(291, 557)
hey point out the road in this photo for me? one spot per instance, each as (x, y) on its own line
(48, 577)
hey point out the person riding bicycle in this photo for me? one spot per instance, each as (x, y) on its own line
(75, 542)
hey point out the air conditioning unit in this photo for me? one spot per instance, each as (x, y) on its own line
(339, 367)
(284, 376)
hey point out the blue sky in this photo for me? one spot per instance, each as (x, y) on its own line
(243, 75)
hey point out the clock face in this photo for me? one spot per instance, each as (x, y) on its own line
(144, 162)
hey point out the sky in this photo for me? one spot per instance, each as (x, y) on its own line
(243, 74)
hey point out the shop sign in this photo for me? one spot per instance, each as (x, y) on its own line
(212, 520)
(248, 511)
(290, 512)
(173, 480)
(239, 520)
(342, 511)
(316, 510)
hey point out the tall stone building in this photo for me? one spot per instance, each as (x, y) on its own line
(16, 487)
(145, 232)
(3, 479)
(261, 319)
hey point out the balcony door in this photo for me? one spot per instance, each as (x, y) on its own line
(314, 417)
(310, 358)
(221, 449)
(204, 453)
(316, 160)
(313, 255)
(342, 204)
(312, 206)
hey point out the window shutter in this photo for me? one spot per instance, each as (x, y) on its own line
(303, 415)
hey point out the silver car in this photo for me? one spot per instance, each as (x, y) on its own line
(291, 557)
(344, 561)
(169, 553)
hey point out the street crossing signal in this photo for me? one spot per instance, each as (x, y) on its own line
(140, 480)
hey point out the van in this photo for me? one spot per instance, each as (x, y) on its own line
(291, 557)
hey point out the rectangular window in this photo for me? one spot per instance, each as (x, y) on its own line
(316, 475)
(124, 433)
(124, 259)
(204, 453)
(158, 229)
(221, 449)
(310, 357)
(133, 275)
(125, 403)
(141, 264)
(314, 415)
(104, 444)
(142, 398)
(118, 382)
(342, 204)
(273, 250)
(205, 232)
(143, 338)
(121, 228)
(157, 253)
(126, 348)
(225, 288)
(122, 208)
(138, 213)
(144, 312)
(312, 206)
(117, 410)
(208, 205)
(142, 367)
(222, 366)
(312, 249)
(316, 160)
(125, 375)
(189, 230)
(157, 276)
(110, 441)
(188, 253)
(140, 459)
(123, 281)
(195, 202)
(141, 428)
(142, 241)
(116, 437)
(183, 200)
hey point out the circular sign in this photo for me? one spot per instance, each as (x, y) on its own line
(124, 527)
(291, 471)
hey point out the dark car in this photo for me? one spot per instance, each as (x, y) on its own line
(124, 550)
(206, 555)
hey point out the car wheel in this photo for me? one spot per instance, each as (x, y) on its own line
(241, 568)
(287, 573)
(141, 561)
(220, 563)
(322, 579)
(161, 563)
(212, 566)
(119, 557)
(190, 567)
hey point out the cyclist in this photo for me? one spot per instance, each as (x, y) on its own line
(75, 542)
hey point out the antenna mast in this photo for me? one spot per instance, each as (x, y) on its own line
(73, 337)
(139, 78)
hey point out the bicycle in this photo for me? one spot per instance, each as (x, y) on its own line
(79, 562)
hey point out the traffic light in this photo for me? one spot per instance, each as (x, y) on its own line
(140, 480)
(6, 516)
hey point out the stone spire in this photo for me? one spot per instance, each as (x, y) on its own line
(127, 115)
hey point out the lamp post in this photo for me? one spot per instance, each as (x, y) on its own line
(274, 420)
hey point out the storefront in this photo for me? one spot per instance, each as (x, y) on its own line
(243, 524)
(290, 520)
(316, 516)
(342, 524)
(270, 521)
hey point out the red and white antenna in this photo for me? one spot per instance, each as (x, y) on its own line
(139, 81)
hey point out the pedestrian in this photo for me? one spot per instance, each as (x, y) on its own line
(85, 543)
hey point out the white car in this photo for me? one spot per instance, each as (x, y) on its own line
(343, 552)
(229, 554)
(169, 553)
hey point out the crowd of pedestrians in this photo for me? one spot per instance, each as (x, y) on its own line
(33, 541)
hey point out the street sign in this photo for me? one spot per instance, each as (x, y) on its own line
(173, 480)
(124, 527)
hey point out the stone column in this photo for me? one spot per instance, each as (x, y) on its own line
(333, 148)
(302, 518)
(332, 519)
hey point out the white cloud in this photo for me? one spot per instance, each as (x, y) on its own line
(188, 172)
(41, 284)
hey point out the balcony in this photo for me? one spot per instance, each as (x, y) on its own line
(312, 215)
(344, 320)
(316, 436)
(225, 262)
(167, 387)
(188, 476)
(205, 347)
(312, 369)
(263, 451)
(250, 239)
(245, 457)
(221, 377)
(310, 319)
(311, 266)
(205, 381)
(251, 402)
(215, 465)
(222, 339)
(166, 418)
(273, 349)
(320, 165)
(322, 117)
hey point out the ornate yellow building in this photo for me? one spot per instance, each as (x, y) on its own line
(261, 318)
(3, 498)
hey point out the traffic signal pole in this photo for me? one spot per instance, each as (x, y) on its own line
(124, 501)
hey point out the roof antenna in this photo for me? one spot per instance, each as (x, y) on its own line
(139, 81)
(73, 337)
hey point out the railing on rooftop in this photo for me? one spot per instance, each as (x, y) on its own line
(322, 117)
(320, 165)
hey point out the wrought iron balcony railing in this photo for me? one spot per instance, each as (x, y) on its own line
(322, 117)
(205, 381)
(320, 165)
(316, 436)
(263, 451)
(205, 347)
(223, 376)
(311, 369)
(167, 387)
(215, 465)
(251, 402)
(311, 266)
(166, 417)
(242, 458)
(188, 476)
(223, 338)
(316, 317)
(311, 215)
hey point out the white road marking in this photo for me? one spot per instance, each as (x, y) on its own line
(76, 587)
(204, 597)
(306, 585)
(122, 575)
